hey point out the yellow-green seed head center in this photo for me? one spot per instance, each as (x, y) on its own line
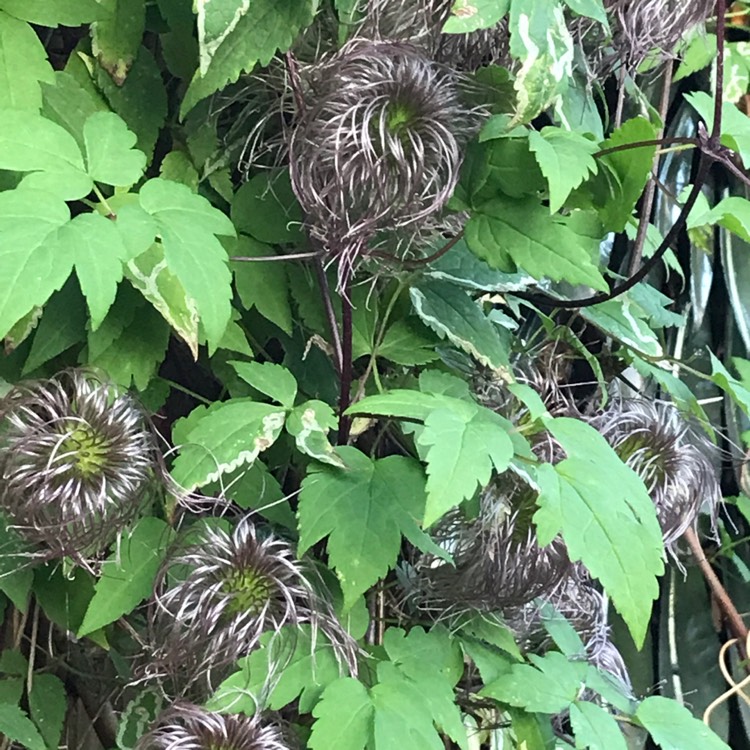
(399, 117)
(85, 450)
(249, 589)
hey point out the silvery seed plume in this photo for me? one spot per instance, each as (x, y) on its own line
(671, 458)
(377, 147)
(78, 460)
(498, 562)
(217, 596)
(189, 727)
(418, 22)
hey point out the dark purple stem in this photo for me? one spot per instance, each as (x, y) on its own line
(346, 364)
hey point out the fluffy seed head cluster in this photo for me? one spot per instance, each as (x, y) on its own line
(77, 461)
(670, 456)
(188, 727)
(498, 562)
(378, 145)
(230, 589)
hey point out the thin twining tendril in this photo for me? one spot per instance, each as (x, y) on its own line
(737, 688)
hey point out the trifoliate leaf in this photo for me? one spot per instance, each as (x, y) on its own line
(522, 233)
(23, 65)
(565, 158)
(594, 727)
(15, 725)
(48, 704)
(30, 269)
(471, 15)
(363, 510)
(255, 36)
(128, 574)
(673, 727)
(110, 156)
(451, 313)
(606, 517)
(309, 424)
(188, 225)
(115, 40)
(343, 717)
(230, 435)
(270, 379)
(98, 253)
(548, 687)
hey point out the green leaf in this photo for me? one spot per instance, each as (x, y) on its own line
(522, 231)
(63, 599)
(30, 143)
(110, 156)
(461, 452)
(673, 727)
(471, 15)
(149, 274)
(266, 208)
(138, 717)
(451, 313)
(177, 167)
(309, 424)
(699, 54)
(116, 39)
(407, 342)
(16, 586)
(270, 379)
(619, 541)
(264, 286)
(738, 389)
(623, 320)
(229, 435)
(363, 510)
(15, 725)
(30, 269)
(590, 9)
(343, 717)
(48, 704)
(268, 26)
(627, 171)
(733, 213)
(98, 253)
(23, 65)
(735, 126)
(566, 159)
(549, 687)
(55, 12)
(128, 574)
(188, 225)
(594, 727)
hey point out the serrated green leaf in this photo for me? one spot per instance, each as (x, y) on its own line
(128, 574)
(548, 687)
(98, 253)
(343, 717)
(737, 388)
(267, 27)
(266, 208)
(30, 269)
(565, 158)
(15, 725)
(110, 156)
(451, 313)
(594, 727)
(55, 12)
(618, 540)
(523, 232)
(732, 213)
(270, 379)
(407, 342)
(309, 424)
(623, 320)
(461, 453)
(735, 126)
(177, 167)
(471, 15)
(363, 510)
(231, 435)
(23, 65)
(116, 39)
(264, 286)
(188, 226)
(673, 727)
(48, 704)
(410, 405)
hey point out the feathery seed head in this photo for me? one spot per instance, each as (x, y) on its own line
(78, 461)
(188, 727)
(234, 588)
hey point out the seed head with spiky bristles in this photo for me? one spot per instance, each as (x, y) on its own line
(189, 727)
(672, 459)
(77, 462)
(234, 588)
(378, 146)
